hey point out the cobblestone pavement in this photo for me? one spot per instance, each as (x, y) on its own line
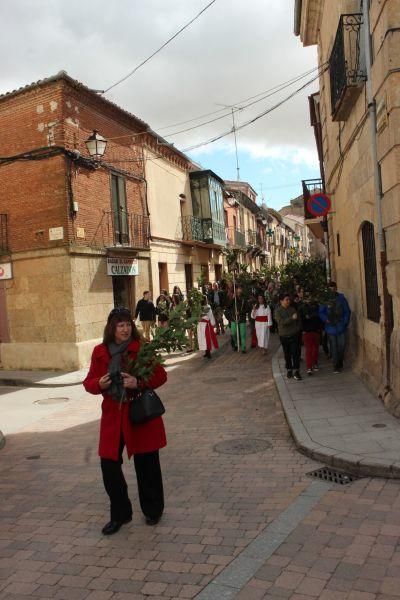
(238, 523)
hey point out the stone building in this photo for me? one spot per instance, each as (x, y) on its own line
(359, 102)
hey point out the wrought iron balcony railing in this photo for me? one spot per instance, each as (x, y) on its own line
(120, 228)
(4, 249)
(250, 237)
(347, 65)
(234, 237)
(202, 230)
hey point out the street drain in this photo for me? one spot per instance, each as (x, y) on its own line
(220, 379)
(333, 476)
(33, 457)
(58, 400)
(379, 425)
(242, 446)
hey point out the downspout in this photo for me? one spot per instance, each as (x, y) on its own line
(297, 17)
(387, 310)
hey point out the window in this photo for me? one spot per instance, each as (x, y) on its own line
(338, 243)
(188, 277)
(119, 212)
(370, 272)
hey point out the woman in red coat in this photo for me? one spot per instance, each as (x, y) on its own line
(107, 377)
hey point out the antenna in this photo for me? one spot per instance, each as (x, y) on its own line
(233, 109)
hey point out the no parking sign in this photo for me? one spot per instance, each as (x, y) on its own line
(5, 271)
(319, 205)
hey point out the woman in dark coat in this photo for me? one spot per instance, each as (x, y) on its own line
(107, 376)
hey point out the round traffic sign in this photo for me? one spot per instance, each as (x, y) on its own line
(319, 204)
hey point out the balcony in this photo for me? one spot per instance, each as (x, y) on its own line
(250, 237)
(234, 237)
(122, 230)
(202, 230)
(4, 249)
(347, 66)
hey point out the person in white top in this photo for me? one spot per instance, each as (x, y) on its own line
(261, 313)
(205, 330)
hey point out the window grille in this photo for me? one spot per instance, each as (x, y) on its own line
(370, 273)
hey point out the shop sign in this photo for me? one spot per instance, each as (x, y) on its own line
(5, 271)
(122, 266)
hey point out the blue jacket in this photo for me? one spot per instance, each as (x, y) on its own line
(335, 316)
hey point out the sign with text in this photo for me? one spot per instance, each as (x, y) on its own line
(122, 266)
(5, 271)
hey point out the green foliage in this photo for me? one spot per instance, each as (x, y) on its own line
(166, 339)
(310, 274)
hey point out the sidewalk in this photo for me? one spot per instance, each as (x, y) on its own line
(41, 378)
(335, 419)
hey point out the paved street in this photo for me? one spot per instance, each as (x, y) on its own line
(242, 518)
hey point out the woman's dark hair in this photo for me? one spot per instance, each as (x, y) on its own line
(283, 295)
(119, 315)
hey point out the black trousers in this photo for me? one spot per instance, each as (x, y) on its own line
(149, 481)
(291, 350)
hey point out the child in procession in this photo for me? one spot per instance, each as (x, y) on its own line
(206, 337)
(262, 316)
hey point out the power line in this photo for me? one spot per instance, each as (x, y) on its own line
(160, 48)
(278, 88)
(236, 108)
(254, 119)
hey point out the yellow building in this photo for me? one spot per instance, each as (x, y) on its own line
(359, 107)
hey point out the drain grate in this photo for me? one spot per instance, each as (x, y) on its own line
(58, 400)
(333, 476)
(379, 425)
(33, 457)
(242, 446)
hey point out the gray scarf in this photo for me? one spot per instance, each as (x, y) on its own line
(116, 389)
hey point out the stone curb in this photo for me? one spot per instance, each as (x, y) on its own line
(353, 463)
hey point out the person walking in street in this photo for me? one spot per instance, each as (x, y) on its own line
(216, 299)
(146, 312)
(206, 337)
(308, 312)
(335, 315)
(262, 316)
(289, 329)
(238, 309)
(162, 309)
(108, 376)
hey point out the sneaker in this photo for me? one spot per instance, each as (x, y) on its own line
(309, 371)
(315, 368)
(297, 376)
(289, 374)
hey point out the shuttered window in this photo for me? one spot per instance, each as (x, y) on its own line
(370, 273)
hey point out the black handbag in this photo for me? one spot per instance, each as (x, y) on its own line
(144, 406)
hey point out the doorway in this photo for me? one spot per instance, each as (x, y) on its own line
(122, 291)
(218, 272)
(188, 277)
(163, 276)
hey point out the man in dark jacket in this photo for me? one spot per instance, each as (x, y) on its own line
(146, 312)
(335, 314)
(216, 299)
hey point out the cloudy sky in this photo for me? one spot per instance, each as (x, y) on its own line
(236, 50)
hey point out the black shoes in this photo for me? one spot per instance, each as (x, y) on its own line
(114, 526)
(207, 354)
(297, 376)
(150, 521)
(289, 374)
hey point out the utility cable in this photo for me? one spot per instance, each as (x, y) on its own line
(254, 119)
(160, 48)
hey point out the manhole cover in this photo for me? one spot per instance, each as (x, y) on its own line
(220, 379)
(242, 446)
(333, 476)
(379, 425)
(59, 400)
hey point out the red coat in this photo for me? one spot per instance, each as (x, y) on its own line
(147, 437)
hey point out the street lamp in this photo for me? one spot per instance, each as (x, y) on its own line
(96, 145)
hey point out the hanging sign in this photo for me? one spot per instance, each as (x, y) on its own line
(319, 205)
(5, 271)
(122, 266)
